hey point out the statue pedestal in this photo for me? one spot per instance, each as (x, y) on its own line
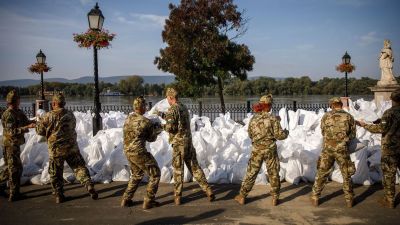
(42, 104)
(382, 93)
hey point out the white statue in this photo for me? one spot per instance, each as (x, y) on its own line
(386, 60)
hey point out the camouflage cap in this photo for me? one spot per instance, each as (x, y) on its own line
(139, 102)
(335, 100)
(171, 92)
(12, 97)
(395, 96)
(266, 99)
(58, 97)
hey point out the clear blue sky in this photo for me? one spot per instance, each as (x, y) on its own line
(287, 37)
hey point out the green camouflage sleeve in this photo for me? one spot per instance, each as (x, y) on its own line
(42, 124)
(279, 133)
(250, 128)
(353, 128)
(380, 127)
(323, 123)
(10, 125)
(172, 119)
(151, 132)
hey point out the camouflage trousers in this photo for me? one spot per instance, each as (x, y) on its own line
(186, 153)
(390, 164)
(77, 164)
(325, 166)
(13, 171)
(140, 164)
(257, 157)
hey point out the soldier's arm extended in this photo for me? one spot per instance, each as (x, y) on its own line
(323, 124)
(380, 127)
(153, 130)
(250, 129)
(172, 119)
(353, 130)
(279, 133)
(42, 124)
(10, 126)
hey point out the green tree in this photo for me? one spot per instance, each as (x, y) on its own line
(132, 85)
(200, 50)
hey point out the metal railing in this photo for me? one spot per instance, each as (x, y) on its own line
(238, 111)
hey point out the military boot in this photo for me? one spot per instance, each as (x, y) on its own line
(349, 203)
(386, 203)
(275, 200)
(126, 202)
(92, 192)
(59, 198)
(210, 195)
(148, 204)
(314, 201)
(240, 199)
(177, 200)
(15, 197)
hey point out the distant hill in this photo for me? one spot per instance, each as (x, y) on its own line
(158, 79)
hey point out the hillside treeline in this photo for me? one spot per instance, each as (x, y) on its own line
(234, 87)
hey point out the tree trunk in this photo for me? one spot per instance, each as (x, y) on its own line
(221, 95)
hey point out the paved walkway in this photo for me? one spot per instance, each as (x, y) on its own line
(39, 208)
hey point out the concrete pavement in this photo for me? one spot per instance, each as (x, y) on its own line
(39, 208)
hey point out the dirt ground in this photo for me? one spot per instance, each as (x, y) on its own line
(38, 206)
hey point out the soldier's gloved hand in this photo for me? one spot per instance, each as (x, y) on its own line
(360, 123)
(278, 118)
(378, 121)
(32, 125)
(286, 131)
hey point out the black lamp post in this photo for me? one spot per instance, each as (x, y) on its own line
(346, 60)
(96, 19)
(41, 59)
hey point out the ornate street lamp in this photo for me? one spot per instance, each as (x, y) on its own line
(346, 61)
(96, 19)
(41, 59)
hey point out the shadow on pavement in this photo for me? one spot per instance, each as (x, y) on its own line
(369, 192)
(306, 189)
(183, 219)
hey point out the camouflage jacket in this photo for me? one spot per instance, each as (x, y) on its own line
(264, 129)
(390, 129)
(178, 123)
(137, 130)
(338, 128)
(58, 126)
(13, 121)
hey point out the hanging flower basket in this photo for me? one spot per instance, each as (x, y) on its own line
(345, 68)
(99, 39)
(39, 68)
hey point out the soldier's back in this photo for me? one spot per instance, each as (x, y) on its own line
(12, 119)
(260, 127)
(135, 132)
(336, 125)
(61, 133)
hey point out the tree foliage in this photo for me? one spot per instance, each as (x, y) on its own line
(200, 50)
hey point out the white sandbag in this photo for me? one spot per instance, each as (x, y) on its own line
(294, 171)
(166, 175)
(284, 118)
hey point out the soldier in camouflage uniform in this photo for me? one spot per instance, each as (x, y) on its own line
(264, 129)
(338, 128)
(389, 126)
(178, 127)
(15, 125)
(137, 130)
(58, 126)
